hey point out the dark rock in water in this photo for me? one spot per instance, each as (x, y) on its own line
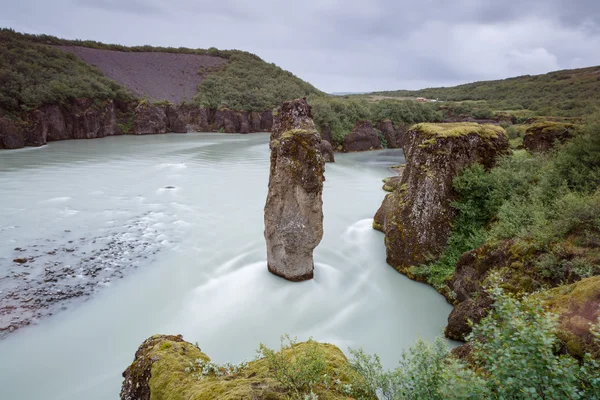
(294, 208)
(150, 119)
(416, 217)
(170, 187)
(363, 138)
(542, 136)
(327, 151)
(20, 260)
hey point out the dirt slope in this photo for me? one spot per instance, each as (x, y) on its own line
(160, 76)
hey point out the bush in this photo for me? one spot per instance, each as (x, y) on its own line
(515, 348)
(297, 369)
(514, 351)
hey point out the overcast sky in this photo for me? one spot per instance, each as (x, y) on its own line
(344, 45)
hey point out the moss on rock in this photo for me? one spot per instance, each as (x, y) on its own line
(160, 371)
(458, 129)
(578, 307)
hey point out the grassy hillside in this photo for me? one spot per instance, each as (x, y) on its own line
(34, 72)
(573, 92)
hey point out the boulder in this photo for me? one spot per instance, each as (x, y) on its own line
(541, 136)
(327, 151)
(416, 217)
(168, 368)
(149, 119)
(294, 207)
(11, 134)
(363, 138)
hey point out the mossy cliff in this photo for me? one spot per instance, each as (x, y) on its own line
(416, 217)
(165, 369)
(294, 207)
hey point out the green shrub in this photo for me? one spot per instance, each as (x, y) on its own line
(515, 348)
(297, 369)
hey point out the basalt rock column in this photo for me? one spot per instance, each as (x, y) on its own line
(294, 208)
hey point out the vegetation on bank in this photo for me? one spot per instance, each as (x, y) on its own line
(514, 354)
(339, 114)
(33, 74)
(566, 93)
(547, 205)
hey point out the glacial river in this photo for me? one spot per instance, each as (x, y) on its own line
(126, 237)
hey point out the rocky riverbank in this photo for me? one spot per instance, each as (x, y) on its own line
(91, 118)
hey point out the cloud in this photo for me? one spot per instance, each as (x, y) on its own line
(345, 45)
(130, 6)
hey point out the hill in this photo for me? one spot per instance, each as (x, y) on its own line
(574, 92)
(39, 70)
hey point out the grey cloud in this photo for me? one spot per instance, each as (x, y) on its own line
(130, 6)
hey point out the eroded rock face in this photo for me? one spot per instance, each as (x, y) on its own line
(150, 119)
(542, 136)
(11, 134)
(294, 208)
(363, 138)
(389, 133)
(416, 217)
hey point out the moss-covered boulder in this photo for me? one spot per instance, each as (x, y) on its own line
(416, 217)
(578, 307)
(166, 368)
(541, 136)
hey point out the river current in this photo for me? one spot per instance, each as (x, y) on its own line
(125, 237)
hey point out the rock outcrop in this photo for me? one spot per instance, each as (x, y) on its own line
(150, 119)
(294, 207)
(363, 138)
(416, 217)
(541, 136)
(88, 119)
(11, 134)
(390, 134)
(169, 368)
(327, 151)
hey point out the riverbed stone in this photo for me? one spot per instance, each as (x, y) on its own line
(294, 207)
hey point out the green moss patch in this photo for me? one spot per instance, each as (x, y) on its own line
(459, 129)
